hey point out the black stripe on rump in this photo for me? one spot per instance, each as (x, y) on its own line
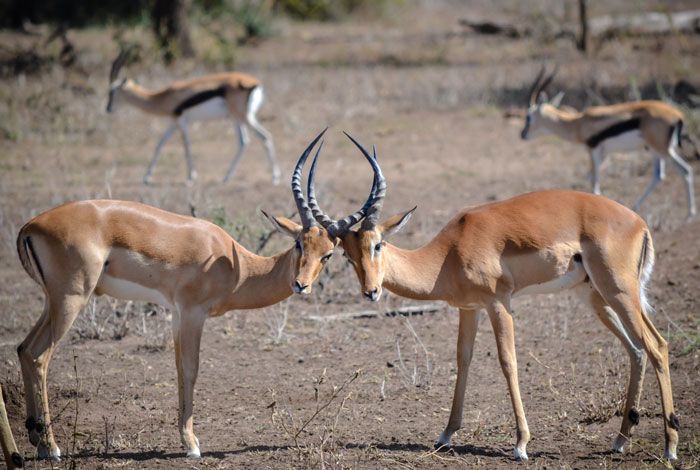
(613, 131)
(199, 98)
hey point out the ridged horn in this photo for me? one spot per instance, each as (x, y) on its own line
(307, 217)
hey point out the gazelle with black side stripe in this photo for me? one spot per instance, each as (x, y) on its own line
(540, 242)
(230, 95)
(623, 127)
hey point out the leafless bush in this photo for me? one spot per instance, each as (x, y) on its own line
(416, 372)
(320, 451)
(601, 404)
(276, 320)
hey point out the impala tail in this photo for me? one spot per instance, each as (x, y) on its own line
(28, 258)
(646, 266)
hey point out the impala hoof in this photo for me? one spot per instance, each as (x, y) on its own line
(43, 453)
(520, 455)
(443, 447)
(194, 454)
(619, 444)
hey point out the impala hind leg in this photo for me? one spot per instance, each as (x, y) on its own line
(191, 173)
(254, 103)
(638, 361)
(686, 172)
(468, 324)
(156, 155)
(502, 323)
(35, 355)
(622, 293)
(243, 141)
(187, 335)
(597, 156)
(659, 176)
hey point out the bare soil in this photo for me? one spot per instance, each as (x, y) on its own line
(431, 97)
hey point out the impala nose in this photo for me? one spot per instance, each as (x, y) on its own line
(300, 288)
(372, 295)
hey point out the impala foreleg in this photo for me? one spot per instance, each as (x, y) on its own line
(502, 323)
(156, 155)
(659, 176)
(468, 324)
(243, 141)
(638, 361)
(187, 334)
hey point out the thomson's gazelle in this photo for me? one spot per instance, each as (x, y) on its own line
(230, 95)
(623, 127)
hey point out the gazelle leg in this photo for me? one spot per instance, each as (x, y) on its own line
(638, 361)
(191, 173)
(687, 172)
(156, 155)
(597, 157)
(35, 355)
(266, 139)
(187, 334)
(468, 324)
(502, 323)
(243, 141)
(622, 294)
(659, 175)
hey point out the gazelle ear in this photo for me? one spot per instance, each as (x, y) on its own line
(556, 101)
(395, 223)
(284, 225)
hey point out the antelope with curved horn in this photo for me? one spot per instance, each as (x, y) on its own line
(539, 242)
(623, 127)
(232, 95)
(133, 251)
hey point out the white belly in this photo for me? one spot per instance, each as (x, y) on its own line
(566, 281)
(626, 142)
(214, 108)
(126, 290)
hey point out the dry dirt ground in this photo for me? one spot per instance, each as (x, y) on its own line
(432, 99)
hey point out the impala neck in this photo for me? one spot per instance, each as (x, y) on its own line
(265, 280)
(138, 96)
(561, 123)
(414, 273)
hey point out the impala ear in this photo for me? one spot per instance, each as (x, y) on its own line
(284, 225)
(395, 223)
(556, 101)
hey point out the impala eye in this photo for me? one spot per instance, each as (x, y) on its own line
(377, 247)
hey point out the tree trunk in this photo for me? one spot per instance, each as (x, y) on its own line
(9, 448)
(169, 18)
(582, 43)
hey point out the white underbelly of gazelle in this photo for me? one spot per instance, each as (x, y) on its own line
(127, 290)
(625, 142)
(571, 278)
(211, 109)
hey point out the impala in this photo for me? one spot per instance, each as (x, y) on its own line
(137, 252)
(623, 127)
(539, 242)
(230, 95)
